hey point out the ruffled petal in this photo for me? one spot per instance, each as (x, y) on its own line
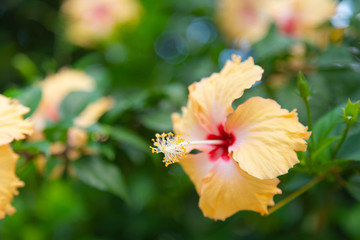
(197, 166)
(9, 183)
(266, 137)
(12, 124)
(227, 189)
(212, 97)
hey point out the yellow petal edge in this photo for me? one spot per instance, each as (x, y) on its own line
(12, 125)
(9, 182)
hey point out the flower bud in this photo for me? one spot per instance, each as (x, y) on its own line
(303, 86)
(351, 112)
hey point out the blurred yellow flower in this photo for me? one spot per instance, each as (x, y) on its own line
(243, 19)
(250, 20)
(12, 127)
(242, 150)
(91, 21)
(54, 89)
(298, 18)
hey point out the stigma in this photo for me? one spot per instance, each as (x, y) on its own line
(174, 147)
(171, 146)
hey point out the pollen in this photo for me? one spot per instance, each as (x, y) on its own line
(171, 146)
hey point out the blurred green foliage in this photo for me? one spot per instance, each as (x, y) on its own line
(125, 192)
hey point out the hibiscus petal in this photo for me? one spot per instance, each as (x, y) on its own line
(12, 124)
(8, 180)
(212, 97)
(197, 166)
(228, 189)
(187, 125)
(266, 137)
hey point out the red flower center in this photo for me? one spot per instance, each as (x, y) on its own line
(98, 15)
(289, 27)
(221, 150)
(248, 12)
(100, 12)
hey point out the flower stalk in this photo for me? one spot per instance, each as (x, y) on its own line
(340, 143)
(296, 194)
(305, 95)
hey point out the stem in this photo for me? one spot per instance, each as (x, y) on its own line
(308, 114)
(296, 194)
(311, 141)
(345, 133)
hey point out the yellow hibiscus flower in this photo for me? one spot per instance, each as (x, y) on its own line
(12, 127)
(251, 19)
(298, 18)
(245, 19)
(242, 150)
(91, 21)
(54, 89)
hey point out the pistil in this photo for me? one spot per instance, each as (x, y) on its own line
(174, 147)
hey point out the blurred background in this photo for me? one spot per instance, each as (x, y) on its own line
(144, 54)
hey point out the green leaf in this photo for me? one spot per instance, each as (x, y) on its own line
(335, 56)
(33, 147)
(326, 132)
(75, 103)
(135, 101)
(348, 219)
(105, 149)
(124, 135)
(25, 66)
(29, 96)
(273, 44)
(101, 175)
(87, 60)
(353, 186)
(325, 125)
(100, 75)
(158, 121)
(350, 149)
(143, 189)
(53, 164)
(57, 131)
(323, 145)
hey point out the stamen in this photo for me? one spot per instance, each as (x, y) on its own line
(173, 146)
